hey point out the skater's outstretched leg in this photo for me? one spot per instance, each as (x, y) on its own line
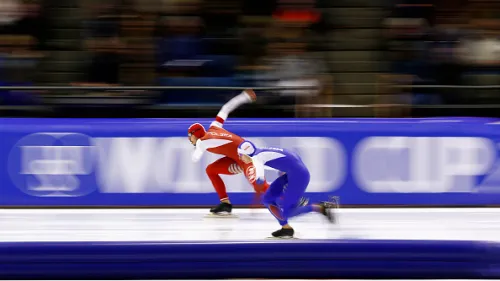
(323, 208)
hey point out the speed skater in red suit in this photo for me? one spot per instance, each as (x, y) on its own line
(217, 140)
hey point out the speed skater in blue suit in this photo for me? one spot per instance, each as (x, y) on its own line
(284, 198)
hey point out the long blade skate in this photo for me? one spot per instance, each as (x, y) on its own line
(223, 210)
(282, 238)
(221, 216)
(333, 206)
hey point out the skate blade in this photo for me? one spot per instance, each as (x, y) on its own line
(282, 238)
(221, 216)
(333, 203)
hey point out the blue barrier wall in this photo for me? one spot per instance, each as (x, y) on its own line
(233, 260)
(147, 162)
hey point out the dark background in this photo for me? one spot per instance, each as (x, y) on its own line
(357, 52)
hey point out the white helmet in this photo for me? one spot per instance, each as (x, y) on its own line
(247, 148)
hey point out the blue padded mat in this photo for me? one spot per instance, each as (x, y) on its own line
(255, 259)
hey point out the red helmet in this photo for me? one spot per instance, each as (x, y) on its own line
(196, 130)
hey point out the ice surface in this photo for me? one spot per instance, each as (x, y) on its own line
(256, 224)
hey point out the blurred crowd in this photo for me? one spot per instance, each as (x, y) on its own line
(350, 53)
(454, 43)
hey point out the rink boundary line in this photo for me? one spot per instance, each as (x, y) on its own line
(239, 211)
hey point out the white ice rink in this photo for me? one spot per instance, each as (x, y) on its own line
(191, 224)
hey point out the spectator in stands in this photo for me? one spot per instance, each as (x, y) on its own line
(480, 56)
(482, 50)
(185, 57)
(23, 27)
(102, 38)
(137, 27)
(23, 36)
(446, 67)
(221, 18)
(413, 65)
(252, 47)
(292, 66)
(32, 23)
(10, 12)
(409, 29)
(179, 45)
(198, 41)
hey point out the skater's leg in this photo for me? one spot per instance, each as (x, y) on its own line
(273, 193)
(295, 192)
(297, 211)
(298, 182)
(223, 166)
(291, 202)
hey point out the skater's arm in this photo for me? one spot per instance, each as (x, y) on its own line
(246, 96)
(259, 168)
(198, 151)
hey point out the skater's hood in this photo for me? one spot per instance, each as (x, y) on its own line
(247, 148)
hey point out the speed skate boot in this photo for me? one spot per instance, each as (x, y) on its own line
(327, 209)
(223, 209)
(284, 233)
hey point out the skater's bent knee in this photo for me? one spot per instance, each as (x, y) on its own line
(211, 169)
